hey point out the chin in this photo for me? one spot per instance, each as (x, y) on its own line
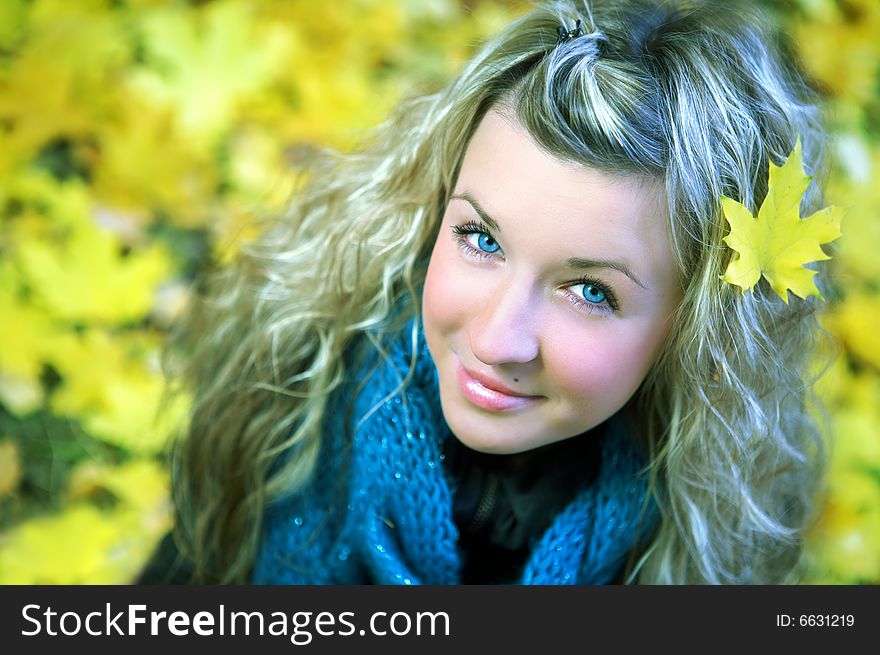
(489, 447)
(484, 441)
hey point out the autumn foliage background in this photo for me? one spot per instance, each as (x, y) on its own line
(140, 139)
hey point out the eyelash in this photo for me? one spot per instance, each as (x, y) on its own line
(462, 231)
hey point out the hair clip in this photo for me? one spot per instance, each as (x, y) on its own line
(563, 35)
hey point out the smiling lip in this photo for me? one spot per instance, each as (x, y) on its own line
(490, 394)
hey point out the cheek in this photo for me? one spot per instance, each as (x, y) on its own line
(440, 303)
(607, 365)
(445, 301)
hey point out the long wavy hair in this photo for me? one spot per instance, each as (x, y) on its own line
(693, 94)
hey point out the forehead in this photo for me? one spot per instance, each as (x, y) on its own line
(562, 208)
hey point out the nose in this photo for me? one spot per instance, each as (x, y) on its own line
(504, 328)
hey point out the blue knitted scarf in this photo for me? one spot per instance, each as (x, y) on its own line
(379, 508)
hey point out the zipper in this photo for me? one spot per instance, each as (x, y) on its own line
(487, 504)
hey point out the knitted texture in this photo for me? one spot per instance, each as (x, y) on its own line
(379, 507)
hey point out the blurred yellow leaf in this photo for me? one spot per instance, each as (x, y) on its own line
(140, 484)
(10, 467)
(108, 386)
(204, 61)
(332, 91)
(136, 417)
(838, 43)
(856, 442)
(845, 543)
(25, 327)
(60, 82)
(854, 184)
(74, 547)
(45, 208)
(31, 331)
(855, 323)
(335, 107)
(89, 277)
(13, 21)
(75, 268)
(146, 166)
(85, 545)
(20, 395)
(82, 545)
(257, 171)
(85, 480)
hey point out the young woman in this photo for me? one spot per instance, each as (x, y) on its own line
(494, 346)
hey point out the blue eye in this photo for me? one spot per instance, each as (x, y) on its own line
(480, 247)
(593, 296)
(486, 243)
(593, 293)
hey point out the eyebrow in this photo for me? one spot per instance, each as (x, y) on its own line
(578, 263)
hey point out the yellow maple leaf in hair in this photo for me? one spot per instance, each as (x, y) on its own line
(779, 242)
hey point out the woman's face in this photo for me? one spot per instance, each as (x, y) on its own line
(548, 295)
